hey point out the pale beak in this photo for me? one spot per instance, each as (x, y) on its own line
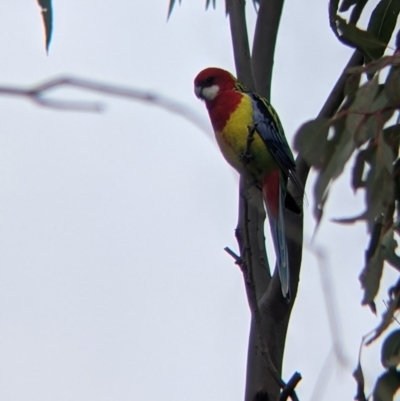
(197, 91)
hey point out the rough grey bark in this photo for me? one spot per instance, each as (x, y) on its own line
(271, 314)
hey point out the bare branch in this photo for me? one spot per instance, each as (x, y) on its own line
(39, 93)
(250, 269)
(240, 42)
(269, 15)
(330, 304)
(273, 308)
(250, 283)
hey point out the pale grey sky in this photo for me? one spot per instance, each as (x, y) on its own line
(113, 280)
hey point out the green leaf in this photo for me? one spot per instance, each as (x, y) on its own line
(387, 317)
(392, 87)
(357, 10)
(311, 140)
(396, 178)
(346, 4)
(47, 15)
(390, 244)
(385, 154)
(365, 96)
(358, 168)
(208, 2)
(340, 154)
(371, 275)
(364, 41)
(391, 135)
(361, 106)
(359, 377)
(390, 352)
(386, 386)
(379, 183)
(368, 112)
(380, 104)
(377, 65)
(382, 23)
(332, 10)
(171, 7)
(352, 84)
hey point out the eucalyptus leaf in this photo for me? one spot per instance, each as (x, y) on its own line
(358, 123)
(364, 41)
(390, 351)
(359, 377)
(357, 10)
(352, 84)
(371, 275)
(208, 2)
(334, 167)
(386, 386)
(382, 23)
(171, 7)
(333, 9)
(379, 185)
(392, 87)
(346, 4)
(47, 15)
(361, 159)
(311, 140)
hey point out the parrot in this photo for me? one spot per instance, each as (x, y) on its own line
(234, 111)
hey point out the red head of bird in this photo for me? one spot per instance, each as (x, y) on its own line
(210, 82)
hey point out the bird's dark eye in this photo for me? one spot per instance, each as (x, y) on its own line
(210, 80)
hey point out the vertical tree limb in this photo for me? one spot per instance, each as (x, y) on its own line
(268, 19)
(268, 331)
(240, 41)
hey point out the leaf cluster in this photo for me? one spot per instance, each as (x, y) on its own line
(373, 41)
(388, 383)
(366, 132)
(362, 129)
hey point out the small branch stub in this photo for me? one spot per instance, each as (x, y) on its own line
(288, 390)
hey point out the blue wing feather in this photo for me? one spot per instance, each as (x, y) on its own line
(271, 131)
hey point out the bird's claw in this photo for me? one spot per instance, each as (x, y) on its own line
(245, 157)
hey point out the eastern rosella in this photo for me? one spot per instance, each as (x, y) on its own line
(233, 111)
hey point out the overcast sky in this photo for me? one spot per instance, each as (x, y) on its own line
(113, 281)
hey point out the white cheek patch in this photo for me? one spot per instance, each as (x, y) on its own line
(210, 93)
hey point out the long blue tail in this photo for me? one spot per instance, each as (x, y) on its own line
(274, 198)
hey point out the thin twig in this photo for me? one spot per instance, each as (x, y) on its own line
(39, 92)
(235, 256)
(328, 292)
(288, 391)
(322, 379)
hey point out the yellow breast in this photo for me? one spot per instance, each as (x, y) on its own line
(232, 140)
